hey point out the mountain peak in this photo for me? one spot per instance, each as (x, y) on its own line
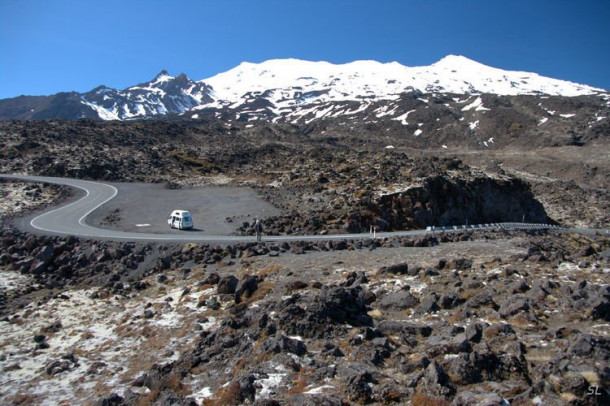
(162, 76)
(458, 61)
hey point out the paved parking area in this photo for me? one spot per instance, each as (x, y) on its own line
(145, 208)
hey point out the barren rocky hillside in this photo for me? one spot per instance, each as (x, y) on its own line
(469, 318)
(349, 177)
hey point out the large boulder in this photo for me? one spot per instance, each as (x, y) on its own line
(227, 285)
(402, 299)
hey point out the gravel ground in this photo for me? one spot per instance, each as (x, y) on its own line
(145, 207)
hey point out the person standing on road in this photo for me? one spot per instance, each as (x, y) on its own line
(258, 227)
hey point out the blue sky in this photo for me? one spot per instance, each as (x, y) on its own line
(48, 46)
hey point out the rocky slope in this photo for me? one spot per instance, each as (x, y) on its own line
(334, 176)
(493, 318)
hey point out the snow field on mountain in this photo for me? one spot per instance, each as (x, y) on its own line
(378, 81)
(283, 87)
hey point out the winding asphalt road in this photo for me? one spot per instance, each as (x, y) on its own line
(71, 219)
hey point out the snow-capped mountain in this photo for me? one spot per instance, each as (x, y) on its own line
(291, 90)
(304, 81)
(163, 95)
(301, 91)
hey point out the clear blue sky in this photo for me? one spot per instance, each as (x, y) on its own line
(48, 46)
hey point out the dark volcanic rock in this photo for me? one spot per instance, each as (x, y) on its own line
(436, 383)
(227, 285)
(429, 304)
(358, 388)
(284, 344)
(514, 305)
(246, 287)
(398, 269)
(468, 398)
(402, 299)
(333, 305)
(318, 399)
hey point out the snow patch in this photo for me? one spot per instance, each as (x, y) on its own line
(204, 393)
(319, 389)
(477, 105)
(102, 338)
(383, 111)
(12, 280)
(403, 118)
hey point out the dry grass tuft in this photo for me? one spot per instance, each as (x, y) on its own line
(174, 382)
(467, 294)
(149, 399)
(270, 269)
(591, 377)
(568, 397)
(419, 399)
(227, 396)
(300, 383)
(263, 289)
(239, 366)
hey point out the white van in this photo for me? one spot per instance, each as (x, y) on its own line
(180, 219)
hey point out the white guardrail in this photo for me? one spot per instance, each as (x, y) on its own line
(494, 226)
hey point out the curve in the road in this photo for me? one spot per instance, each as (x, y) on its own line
(71, 220)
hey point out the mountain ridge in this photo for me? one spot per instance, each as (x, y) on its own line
(287, 87)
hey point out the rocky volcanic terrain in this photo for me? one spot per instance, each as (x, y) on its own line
(325, 181)
(468, 318)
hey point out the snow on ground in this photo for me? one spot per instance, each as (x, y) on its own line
(477, 105)
(270, 383)
(362, 107)
(324, 81)
(105, 114)
(319, 389)
(203, 394)
(403, 118)
(93, 341)
(551, 112)
(12, 280)
(398, 283)
(383, 111)
(16, 197)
